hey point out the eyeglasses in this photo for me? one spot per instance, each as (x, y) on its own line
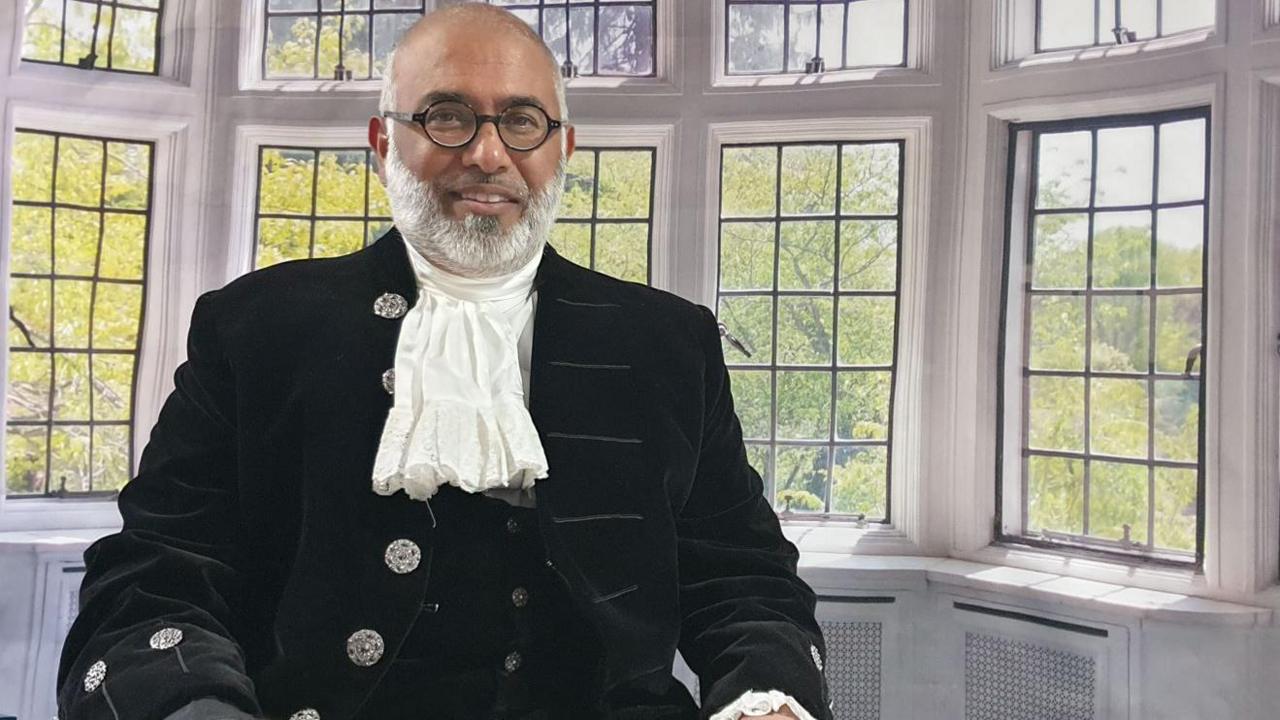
(453, 124)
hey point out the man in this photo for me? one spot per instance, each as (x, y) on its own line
(372, 496)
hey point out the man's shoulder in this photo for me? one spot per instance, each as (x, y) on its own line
(648, 304)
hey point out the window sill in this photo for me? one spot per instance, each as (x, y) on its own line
(871, 77)
(42, 542)
(586, 85)
(1142, 50)
(41, 515)
(838, 573)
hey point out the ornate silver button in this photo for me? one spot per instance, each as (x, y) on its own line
(817, 658)
(390, 306)
(94, 677)
(513, 526)
(403, 556)
(512, 662)
(166, 638)
(365, 647)
(305, 714)
(389, 381)
(520, 597)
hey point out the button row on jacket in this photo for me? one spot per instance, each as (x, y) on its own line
(403, 556)
(512, 661)
(389, 381)
(365, 647)
(390, 306)
(519, 597)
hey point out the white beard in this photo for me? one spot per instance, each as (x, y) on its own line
(475, 246)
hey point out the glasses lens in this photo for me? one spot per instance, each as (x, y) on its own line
(450, 123)
(523, 126)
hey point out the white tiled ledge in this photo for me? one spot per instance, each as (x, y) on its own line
(834, 572)
(42, 541)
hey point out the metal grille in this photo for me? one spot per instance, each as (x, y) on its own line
(116, 35)
(1011, 680)
(853, 668)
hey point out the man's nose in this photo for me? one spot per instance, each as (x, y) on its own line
(486, 151)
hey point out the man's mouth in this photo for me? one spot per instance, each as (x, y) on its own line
(484, 201)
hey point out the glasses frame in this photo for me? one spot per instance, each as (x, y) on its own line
(420, 119)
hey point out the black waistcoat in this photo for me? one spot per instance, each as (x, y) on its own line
(498, 636)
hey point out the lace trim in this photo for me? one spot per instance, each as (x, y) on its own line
(452, 443)
(754, 703)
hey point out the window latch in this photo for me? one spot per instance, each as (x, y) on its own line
(1194, 354)
(735, 342)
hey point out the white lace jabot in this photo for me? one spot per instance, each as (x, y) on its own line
(459, 416)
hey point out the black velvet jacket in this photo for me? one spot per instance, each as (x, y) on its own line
(251, 526)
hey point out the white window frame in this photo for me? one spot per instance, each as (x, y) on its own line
(903, 531)
(250, 77)
(920, 49)
(166, 110)
(1014, 32)
(1242, 513)
(152, 385)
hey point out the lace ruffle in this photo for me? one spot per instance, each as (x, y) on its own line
(755, 703)
(452, 443)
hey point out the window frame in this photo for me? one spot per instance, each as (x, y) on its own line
(903, 530)
(915, 70)
(1012, 386)
(159, 12)
(165, 293)
(251, 60)
(1016, 33)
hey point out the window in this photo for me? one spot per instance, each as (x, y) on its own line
(77, 280)
(315, 202)
(808, 293)
(791, 36)
(593, 37)
(1102, 401)
(606, 214)
(118, 35)
(1064, 24)
(333, 39)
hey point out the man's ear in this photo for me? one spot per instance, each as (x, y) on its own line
(378, 142)
(570, 142)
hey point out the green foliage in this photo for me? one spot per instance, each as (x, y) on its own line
(795, 195)
(1128, 416)
(126, 37)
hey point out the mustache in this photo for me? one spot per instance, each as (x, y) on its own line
(516, 188)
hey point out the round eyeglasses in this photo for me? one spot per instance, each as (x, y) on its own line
(454, 124)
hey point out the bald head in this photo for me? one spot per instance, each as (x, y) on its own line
(475, 21)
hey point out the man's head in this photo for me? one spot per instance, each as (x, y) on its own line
(482, 209)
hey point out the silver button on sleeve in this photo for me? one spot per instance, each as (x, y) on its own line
(403, 556)
(305, 714)
(166, 638)
(95, 675)
(390, 306)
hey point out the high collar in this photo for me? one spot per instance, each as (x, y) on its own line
(432, 278)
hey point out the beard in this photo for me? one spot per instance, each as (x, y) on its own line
(474, 246)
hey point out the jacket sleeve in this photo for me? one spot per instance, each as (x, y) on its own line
(748, 619)
(159, 601)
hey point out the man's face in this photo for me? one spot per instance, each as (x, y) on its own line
(491, 201)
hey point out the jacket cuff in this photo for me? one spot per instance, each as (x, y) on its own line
(754, 703)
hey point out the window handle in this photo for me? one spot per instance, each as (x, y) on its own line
(1195, 353)
(735, 342)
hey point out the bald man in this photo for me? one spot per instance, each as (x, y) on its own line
(451, 475)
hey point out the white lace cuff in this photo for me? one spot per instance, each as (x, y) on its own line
(754, 703)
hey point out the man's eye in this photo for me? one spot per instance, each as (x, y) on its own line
(444, 117)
